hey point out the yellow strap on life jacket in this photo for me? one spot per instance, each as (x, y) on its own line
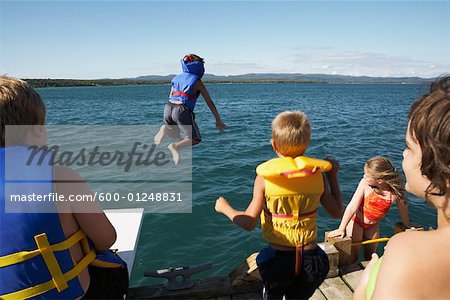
(59, 280)
(22, 256)
(105, 264)
(49, 285)
(50, 260)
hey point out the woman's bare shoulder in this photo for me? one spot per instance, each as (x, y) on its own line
(418, 243)
(412, 257)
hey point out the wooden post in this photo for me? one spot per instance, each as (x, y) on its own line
(333, 258)
(246, 278)
(344, 246)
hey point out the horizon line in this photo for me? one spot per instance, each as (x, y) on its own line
(231, 75)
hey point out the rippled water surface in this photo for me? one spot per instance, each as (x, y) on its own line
(349, 122)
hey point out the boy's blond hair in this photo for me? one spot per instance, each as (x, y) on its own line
(19, 105)
(291, 133)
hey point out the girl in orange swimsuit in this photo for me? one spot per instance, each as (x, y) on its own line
(380, 187)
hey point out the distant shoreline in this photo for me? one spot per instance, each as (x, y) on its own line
(43, 83)
(239, 79)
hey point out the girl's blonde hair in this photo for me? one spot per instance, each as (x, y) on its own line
(381, 168)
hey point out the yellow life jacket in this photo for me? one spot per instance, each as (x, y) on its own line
(293, 188)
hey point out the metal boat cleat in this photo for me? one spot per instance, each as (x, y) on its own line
(171, 274)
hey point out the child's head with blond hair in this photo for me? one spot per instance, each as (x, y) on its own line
(20, 104)
(381, 169)
(291, 133)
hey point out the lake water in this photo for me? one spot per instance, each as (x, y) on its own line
(349, 122)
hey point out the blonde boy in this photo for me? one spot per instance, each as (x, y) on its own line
(286, 194)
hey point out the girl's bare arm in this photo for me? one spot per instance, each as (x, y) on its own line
(351, 209)
(403, 212)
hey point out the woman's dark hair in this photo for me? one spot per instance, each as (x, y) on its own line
(429, 125)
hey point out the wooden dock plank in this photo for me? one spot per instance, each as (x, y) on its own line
(204, 288)
(364, 263)
(351, 275)
(335, 288)
(318, 295)
(352, 279)
(246, 285)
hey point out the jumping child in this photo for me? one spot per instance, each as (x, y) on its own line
(179, 111)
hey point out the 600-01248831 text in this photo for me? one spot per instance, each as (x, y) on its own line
(140, 197)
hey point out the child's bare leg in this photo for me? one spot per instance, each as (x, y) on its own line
(174, 147)
(370, 234)
(160, 135)
(164, 131)
(356, 233)
(175, 154)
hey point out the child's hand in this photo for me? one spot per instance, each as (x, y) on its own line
(220, 125)
(221, 203)
(337, 233)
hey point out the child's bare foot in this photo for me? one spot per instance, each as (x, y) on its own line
(159, 136)
(175, 154)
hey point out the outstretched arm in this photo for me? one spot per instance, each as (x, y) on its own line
(199, 86)
(331, 198)
(245, 219)
(350, 210)
(403, 212)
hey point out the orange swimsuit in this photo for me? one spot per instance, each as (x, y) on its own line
(374, 208)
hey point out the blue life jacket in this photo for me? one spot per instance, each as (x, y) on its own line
(18, 232)
(183, 84)
(35, 260)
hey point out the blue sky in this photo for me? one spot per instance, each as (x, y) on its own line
(117, 39)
